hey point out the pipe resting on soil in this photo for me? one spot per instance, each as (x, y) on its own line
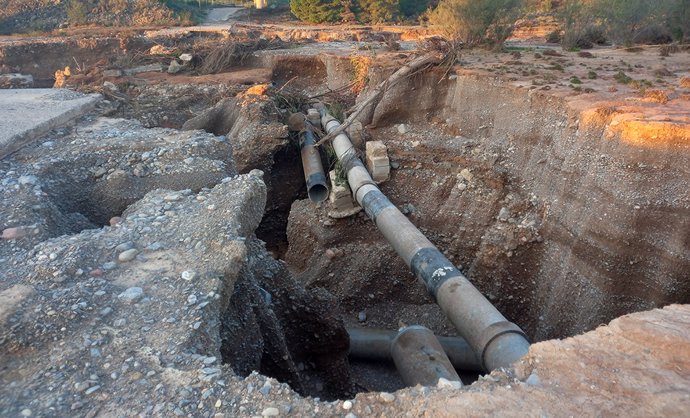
(375, 344)
(420, 359)
(496, 341)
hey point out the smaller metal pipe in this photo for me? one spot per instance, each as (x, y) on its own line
(314, 175)
(375, 344)
(419, 357)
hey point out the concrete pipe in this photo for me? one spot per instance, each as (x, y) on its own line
(496, 341)
(419, 357)
(317, 184)
(375, 344)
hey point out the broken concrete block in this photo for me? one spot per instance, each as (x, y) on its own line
(378, 163)
(341, 196)
(186, 57)
(16, 81)
(175, 67)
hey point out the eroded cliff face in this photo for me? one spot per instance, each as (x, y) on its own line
(616, 205)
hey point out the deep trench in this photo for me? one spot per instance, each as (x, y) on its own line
(514, 269)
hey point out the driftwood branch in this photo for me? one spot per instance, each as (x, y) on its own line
(376, 94)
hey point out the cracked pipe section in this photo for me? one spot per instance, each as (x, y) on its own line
(496, 341)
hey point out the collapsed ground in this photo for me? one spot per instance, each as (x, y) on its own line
(549, 200)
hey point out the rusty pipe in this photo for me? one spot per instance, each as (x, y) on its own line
(375, 344)
(315, 177)
(419, 357)
(496, 341)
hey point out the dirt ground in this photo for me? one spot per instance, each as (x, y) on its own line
(555, 180)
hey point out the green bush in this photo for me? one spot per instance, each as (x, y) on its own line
(413, 8)
(76, 13)
(474, 22)
(378, 11)
(316, 11)
(677, 18)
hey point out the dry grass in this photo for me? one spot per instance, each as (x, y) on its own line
(685, 82)
(360, 72)
(656, 96)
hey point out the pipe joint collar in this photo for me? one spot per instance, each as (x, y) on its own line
(326, 119)
(492, 332)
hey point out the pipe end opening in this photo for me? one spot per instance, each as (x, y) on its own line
(318, 193)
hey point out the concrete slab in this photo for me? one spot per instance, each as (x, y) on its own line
(26, 114)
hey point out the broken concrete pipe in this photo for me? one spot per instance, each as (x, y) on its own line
(315, 177)
(420, 359)
(496, 341)
(375, 344)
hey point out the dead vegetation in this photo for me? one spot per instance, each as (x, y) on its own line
(234, 54)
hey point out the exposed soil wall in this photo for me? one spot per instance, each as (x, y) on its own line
(561, 219)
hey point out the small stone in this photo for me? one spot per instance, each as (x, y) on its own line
(110, 265)
(347, 405)
(96, 273)
(210, 360)
(81, 386)
(402, 129)
(131, 295)
(186, 57)
(91, 390)
(191, 299)
(503, 214)
(395, 165)
(466, 174)
(115, 220)
(124, 247)
(266, 388)
(128, 255)
(271, 411)
(387, 397)
(462, 186)
(350, 415)
(26, 412)
(210, 370)
(175, 67)
(27, 180)
(218, 403)
(172, 197)
(106, 311)
(188, 275)
(330, 254)
(362, 316)
(445, 383)
(14, 233)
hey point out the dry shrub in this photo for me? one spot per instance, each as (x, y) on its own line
(663, 72)
(360, 72)
(232, 54)
(666, 50)
(685, 82)
(656, 96)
